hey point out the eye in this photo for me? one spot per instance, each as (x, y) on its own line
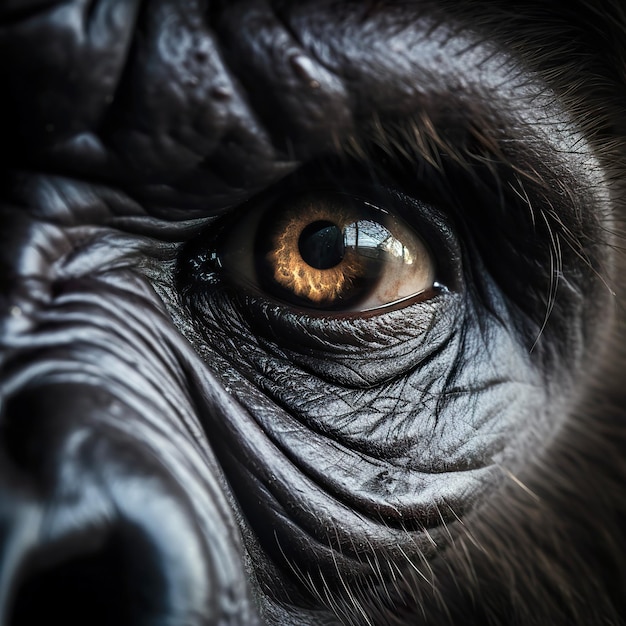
(339, 275)
(326, 251)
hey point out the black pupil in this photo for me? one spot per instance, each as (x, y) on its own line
(321, 245)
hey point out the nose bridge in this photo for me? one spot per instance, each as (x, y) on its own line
(113, 509)
(20, 523)
(105, 520)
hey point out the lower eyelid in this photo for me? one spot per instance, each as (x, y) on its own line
(333, 348)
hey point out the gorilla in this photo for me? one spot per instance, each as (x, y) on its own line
(312, 312)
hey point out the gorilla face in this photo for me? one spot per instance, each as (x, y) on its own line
(309, 312)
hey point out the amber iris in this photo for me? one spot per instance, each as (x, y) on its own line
(333, 251)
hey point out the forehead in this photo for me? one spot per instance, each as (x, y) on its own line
(198, 109)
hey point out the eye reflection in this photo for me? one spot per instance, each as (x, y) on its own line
(330, 251)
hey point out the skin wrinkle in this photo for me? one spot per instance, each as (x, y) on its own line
(269, 456)
(332, 364)
(297, 436)
(264, 460)
(250, 31)
(288, 381)
(125, 402)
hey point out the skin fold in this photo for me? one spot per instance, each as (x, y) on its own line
(185, 440)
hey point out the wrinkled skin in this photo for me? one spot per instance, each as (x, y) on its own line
(179, 446)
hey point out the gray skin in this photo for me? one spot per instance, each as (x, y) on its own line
(181, 445)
